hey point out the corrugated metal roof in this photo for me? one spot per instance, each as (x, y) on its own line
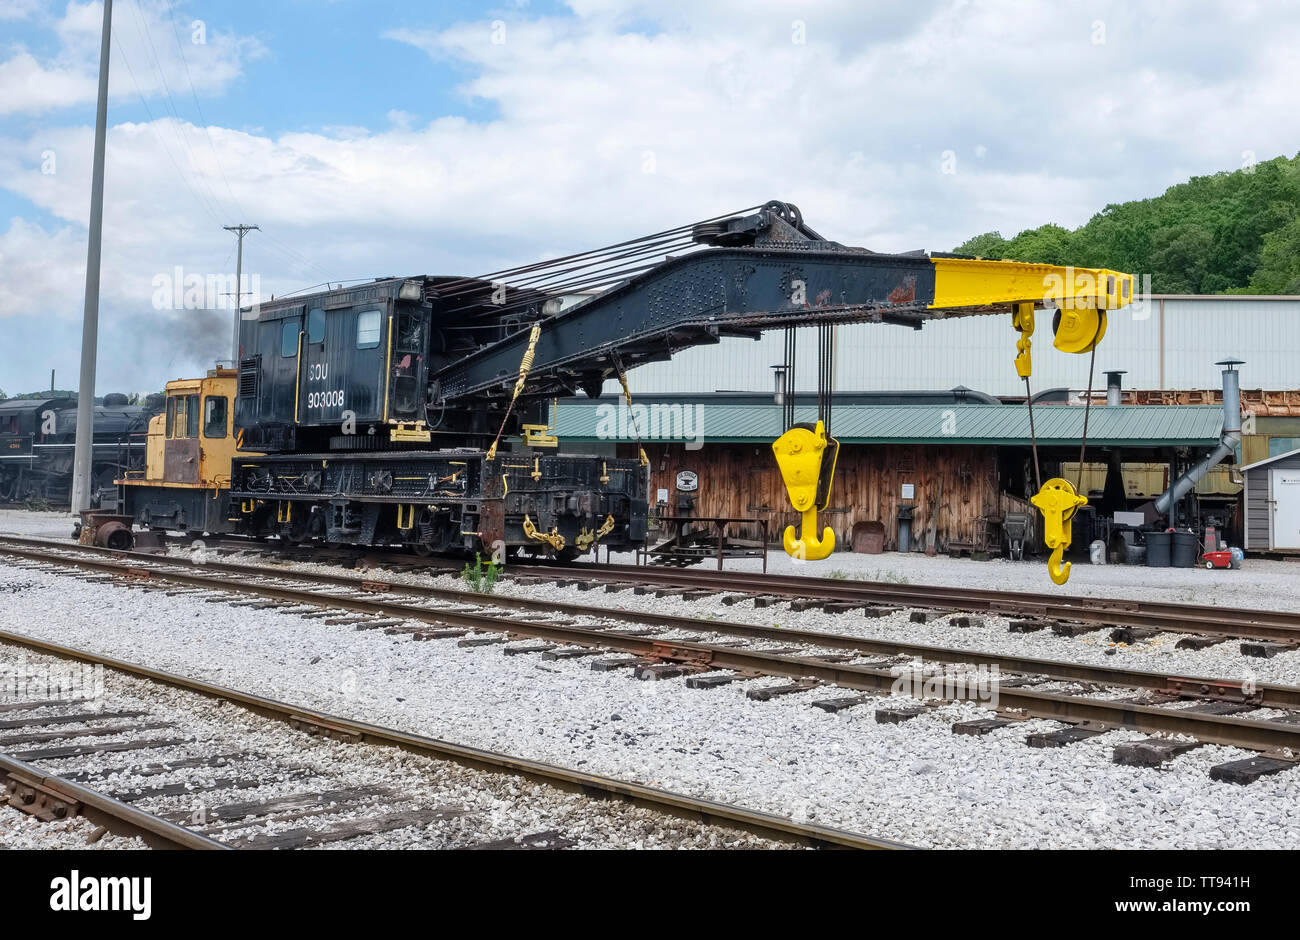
(1127, 425)
(1269, 460)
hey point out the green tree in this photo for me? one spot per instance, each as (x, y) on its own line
(1279, 262)
(1047, 244)
(989, 245)
(1183, 255)
(1226, 232)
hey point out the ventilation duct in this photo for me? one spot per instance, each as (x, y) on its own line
(1228, 441)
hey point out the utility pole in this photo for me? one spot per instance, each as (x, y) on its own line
(241, 231)
(81, 460)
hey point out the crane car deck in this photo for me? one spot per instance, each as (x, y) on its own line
(444, 500)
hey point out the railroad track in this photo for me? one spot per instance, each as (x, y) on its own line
(179, 775)
(1273, 626)
(1085, 699)
(1176, 618)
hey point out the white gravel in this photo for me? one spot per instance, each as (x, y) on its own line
(21, 831)
(915, 782)
(1155, 654)
(286, 762)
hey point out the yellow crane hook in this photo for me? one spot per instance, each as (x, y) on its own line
(1058, 502)
(806, 459)
(808, 546)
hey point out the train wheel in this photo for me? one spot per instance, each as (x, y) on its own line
(568, 554)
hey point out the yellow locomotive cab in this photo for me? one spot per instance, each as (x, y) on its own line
(191, 444)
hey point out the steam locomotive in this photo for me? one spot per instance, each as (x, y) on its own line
(37, 438)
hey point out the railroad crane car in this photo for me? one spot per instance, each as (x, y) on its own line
(412, 410)
(37, 438)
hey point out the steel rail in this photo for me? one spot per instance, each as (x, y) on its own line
(1261, 694)
(1244, 622)
(1248, 733)
(1176, 618)
(680, 805)
(102, 810)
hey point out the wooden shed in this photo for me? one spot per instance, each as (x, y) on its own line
(958, 468)
(1272, 498)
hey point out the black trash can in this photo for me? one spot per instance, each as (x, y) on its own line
(1158, 544)
(1184, 549)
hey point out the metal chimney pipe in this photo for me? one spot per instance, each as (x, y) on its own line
(1228, 441)
(1114, 387)
(1231, 394)
(778, 392)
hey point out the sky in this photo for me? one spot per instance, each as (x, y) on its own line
(373, 137)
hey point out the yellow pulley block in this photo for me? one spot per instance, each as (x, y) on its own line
(1023, 321)
(806, 459)
(1058, 502)
(1078, 330)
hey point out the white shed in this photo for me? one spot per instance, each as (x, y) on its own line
(1272, 501)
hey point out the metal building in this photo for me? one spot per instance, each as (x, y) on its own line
(1163, 341)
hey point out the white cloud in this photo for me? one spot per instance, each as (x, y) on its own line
(39, 269)
(724, 108)
(151, 54)
(14, 10)
(30, 86)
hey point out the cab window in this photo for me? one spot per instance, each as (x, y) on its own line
(183, 417)
(368, 329)
(316, 326)
(214, 416)
(191, 416)
(289, 338)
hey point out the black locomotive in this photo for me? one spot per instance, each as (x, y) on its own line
(37, 438)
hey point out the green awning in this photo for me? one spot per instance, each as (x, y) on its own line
(720, 422)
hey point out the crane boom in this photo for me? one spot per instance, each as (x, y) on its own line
(767, 271)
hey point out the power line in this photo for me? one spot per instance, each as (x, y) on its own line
(153, 124)
(171, 104)
(296, 256)
(171, 15)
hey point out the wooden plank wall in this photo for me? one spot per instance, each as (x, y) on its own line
(741, 480)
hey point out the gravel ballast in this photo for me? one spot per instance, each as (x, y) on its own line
(1154, 654)
(284, 762)
(914, 782)
(18, 830)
